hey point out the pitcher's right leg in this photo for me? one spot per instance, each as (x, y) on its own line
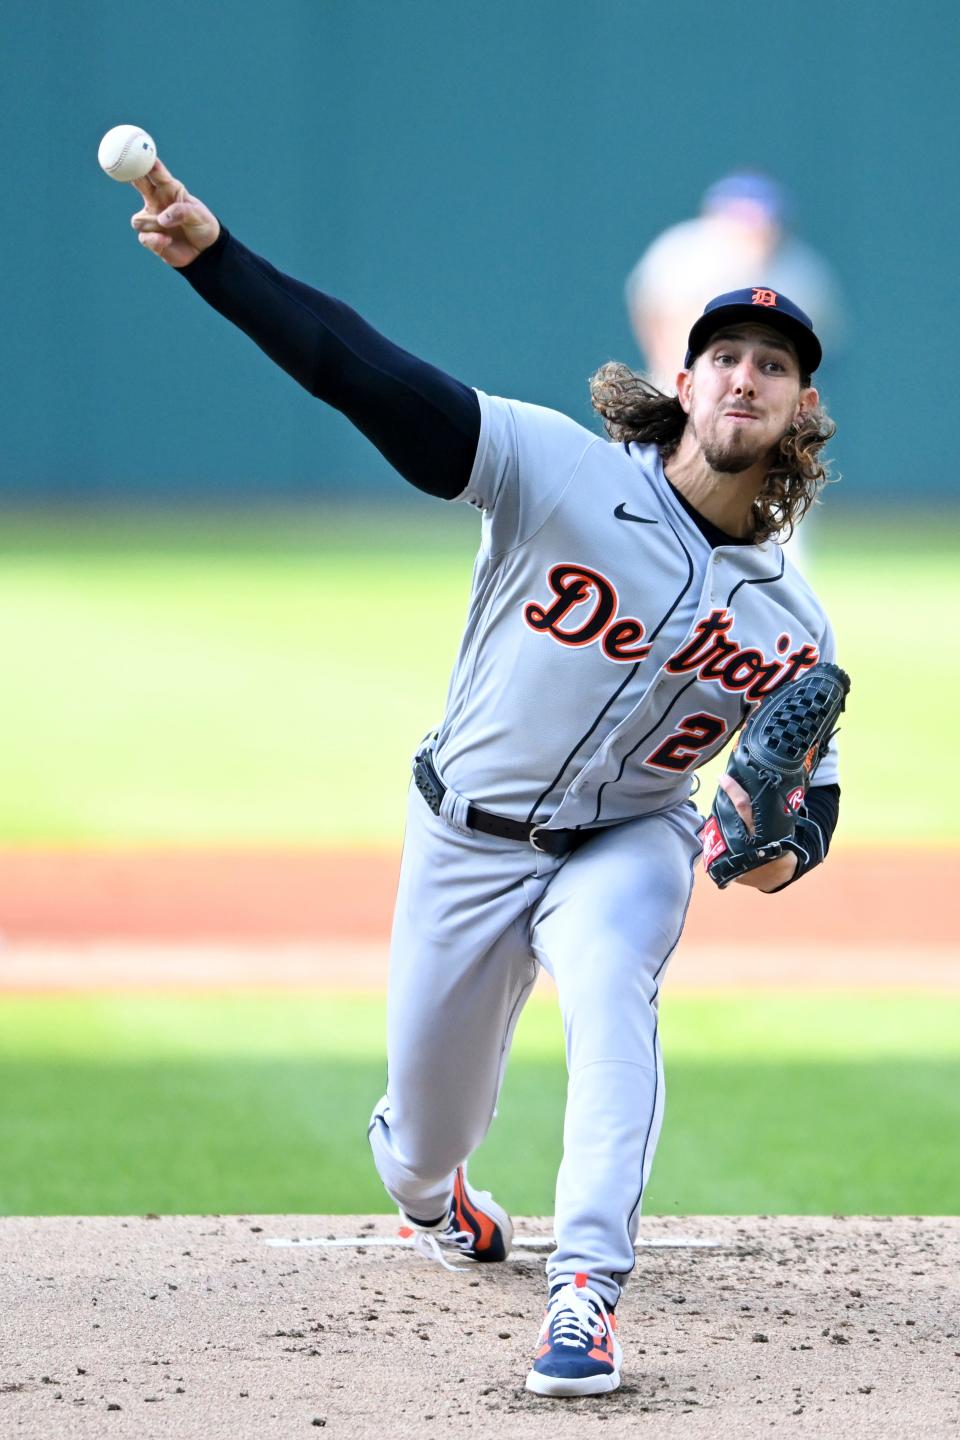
(460, 971)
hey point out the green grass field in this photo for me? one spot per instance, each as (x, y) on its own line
(259, 1103)
(263, 678)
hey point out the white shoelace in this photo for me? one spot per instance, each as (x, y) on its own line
(574, 1321)
(430, 1243)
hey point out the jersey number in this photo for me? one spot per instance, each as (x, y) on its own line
(685, 746)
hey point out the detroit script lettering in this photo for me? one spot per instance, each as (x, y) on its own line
(584, 608)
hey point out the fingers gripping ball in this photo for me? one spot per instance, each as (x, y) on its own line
(775, 759)
(126, 153)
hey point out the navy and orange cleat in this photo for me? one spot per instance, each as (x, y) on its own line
(474, 1228)
(578, 1352)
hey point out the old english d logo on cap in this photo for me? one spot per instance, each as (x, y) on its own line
(764, 297)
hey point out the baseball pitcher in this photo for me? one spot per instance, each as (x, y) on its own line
(631, 612)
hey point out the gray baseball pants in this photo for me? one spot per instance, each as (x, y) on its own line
(476, 916)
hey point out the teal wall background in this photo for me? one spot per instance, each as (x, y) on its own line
(477, 181)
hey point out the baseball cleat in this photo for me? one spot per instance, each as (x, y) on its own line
(474, 1228)
(578, 1352)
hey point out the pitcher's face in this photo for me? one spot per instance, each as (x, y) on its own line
(742, 395)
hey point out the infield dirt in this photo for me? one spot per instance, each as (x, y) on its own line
(184, 1328)
(861, 898)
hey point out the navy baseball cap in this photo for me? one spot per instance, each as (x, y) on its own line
(757, 306)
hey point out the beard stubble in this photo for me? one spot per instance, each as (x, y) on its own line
(734, 456)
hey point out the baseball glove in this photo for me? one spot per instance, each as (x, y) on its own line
(779, 749)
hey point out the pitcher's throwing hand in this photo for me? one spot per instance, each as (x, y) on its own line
(173, 223)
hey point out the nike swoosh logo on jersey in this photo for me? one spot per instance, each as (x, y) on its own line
(622, 513)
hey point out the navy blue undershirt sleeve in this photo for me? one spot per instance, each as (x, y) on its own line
(425, 423)
(816, 823)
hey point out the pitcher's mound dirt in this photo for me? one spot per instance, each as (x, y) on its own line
(188, 1327)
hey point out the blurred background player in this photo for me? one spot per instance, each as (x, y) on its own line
(741, 237)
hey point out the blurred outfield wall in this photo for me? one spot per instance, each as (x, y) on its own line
(478, 182)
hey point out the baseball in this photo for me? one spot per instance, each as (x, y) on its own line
(126, 153)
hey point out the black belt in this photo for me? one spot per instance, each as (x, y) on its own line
(551, 842)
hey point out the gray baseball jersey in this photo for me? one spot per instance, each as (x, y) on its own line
(609, 650)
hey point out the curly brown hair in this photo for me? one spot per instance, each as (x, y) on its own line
(633, 409)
